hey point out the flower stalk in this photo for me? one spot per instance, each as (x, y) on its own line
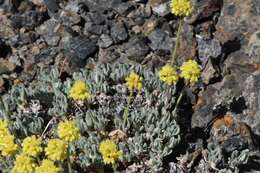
(177, 42)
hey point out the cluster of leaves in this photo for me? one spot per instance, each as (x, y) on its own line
(150, 134)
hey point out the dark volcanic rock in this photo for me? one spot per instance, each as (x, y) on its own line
(105, 41)
(208, 48)
(161, 42)
(119, 32)
(81, 48)
(123, 8)
(136, 49)
(236, 24)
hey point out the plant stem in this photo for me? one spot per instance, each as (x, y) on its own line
(178, 102)
(126, 111)
(176, 43)
(68, 159)
(114, 168)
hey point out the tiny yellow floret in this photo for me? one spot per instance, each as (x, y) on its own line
(110, 152)
(68, 131)
(32, 146)
(79, 91)
(181, 8)
(3, 128)
(7, 145)
(56, 150)
(168, 74)
(134, 81)
(23, 164)
(190, 71)
(47, 166)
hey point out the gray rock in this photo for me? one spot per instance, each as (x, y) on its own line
(209, 72)
(161, 42)
(51, 5)
(6, 67)
(136, 49)
(119, 32)
(94, 29)
(81, 47)
(123, 8)
(208, 48)
(105, 41)
(162, 9)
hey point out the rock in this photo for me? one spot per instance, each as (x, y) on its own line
(6, 67)
(81, 48)
(95, 29)
(209, 73)
(208, 48)
(233, 24)
(51, 5)
(108, 55)
(149, 26)
(136, 49)
(254, 47)
(162, 9)
(161, 42)
(204, 10)
(187, 47)
(119, 32)
(105, 41)
(6, 29)
(123, 8)
(69, 18)
(28, 20)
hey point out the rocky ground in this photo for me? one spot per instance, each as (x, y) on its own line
(224, 36)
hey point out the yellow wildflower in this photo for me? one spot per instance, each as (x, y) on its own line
(79, 91)
(3, 128)
(32, 146)
(23, 164)
(56, 150)
(7, 145)
(110, 152)
(190, 71)
(168, 74)
(47, 166)
(68, 131)
(181, 7)
(134, 81)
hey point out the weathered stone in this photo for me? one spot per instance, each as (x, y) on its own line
(204, 9)
(136, 49)
(6, 67)
(208, 48)
(233, 23)
(161, 42)
(81, 48)
(6, 29)
(119, 32)
(187, 47)
(162, 9)
(254, 47)
(123, 8)
(108, 55)
(209, 73)
(149, 26)
(105, 41)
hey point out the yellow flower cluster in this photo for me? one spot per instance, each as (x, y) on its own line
(79, 91)
(110, 152)
(181, 7)
(32, 146)
(169, 75)
(56, 150)
(7, 145)
(68, 131)
(134, 81)
(23, 164)
(190, 71)
(47, 166)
